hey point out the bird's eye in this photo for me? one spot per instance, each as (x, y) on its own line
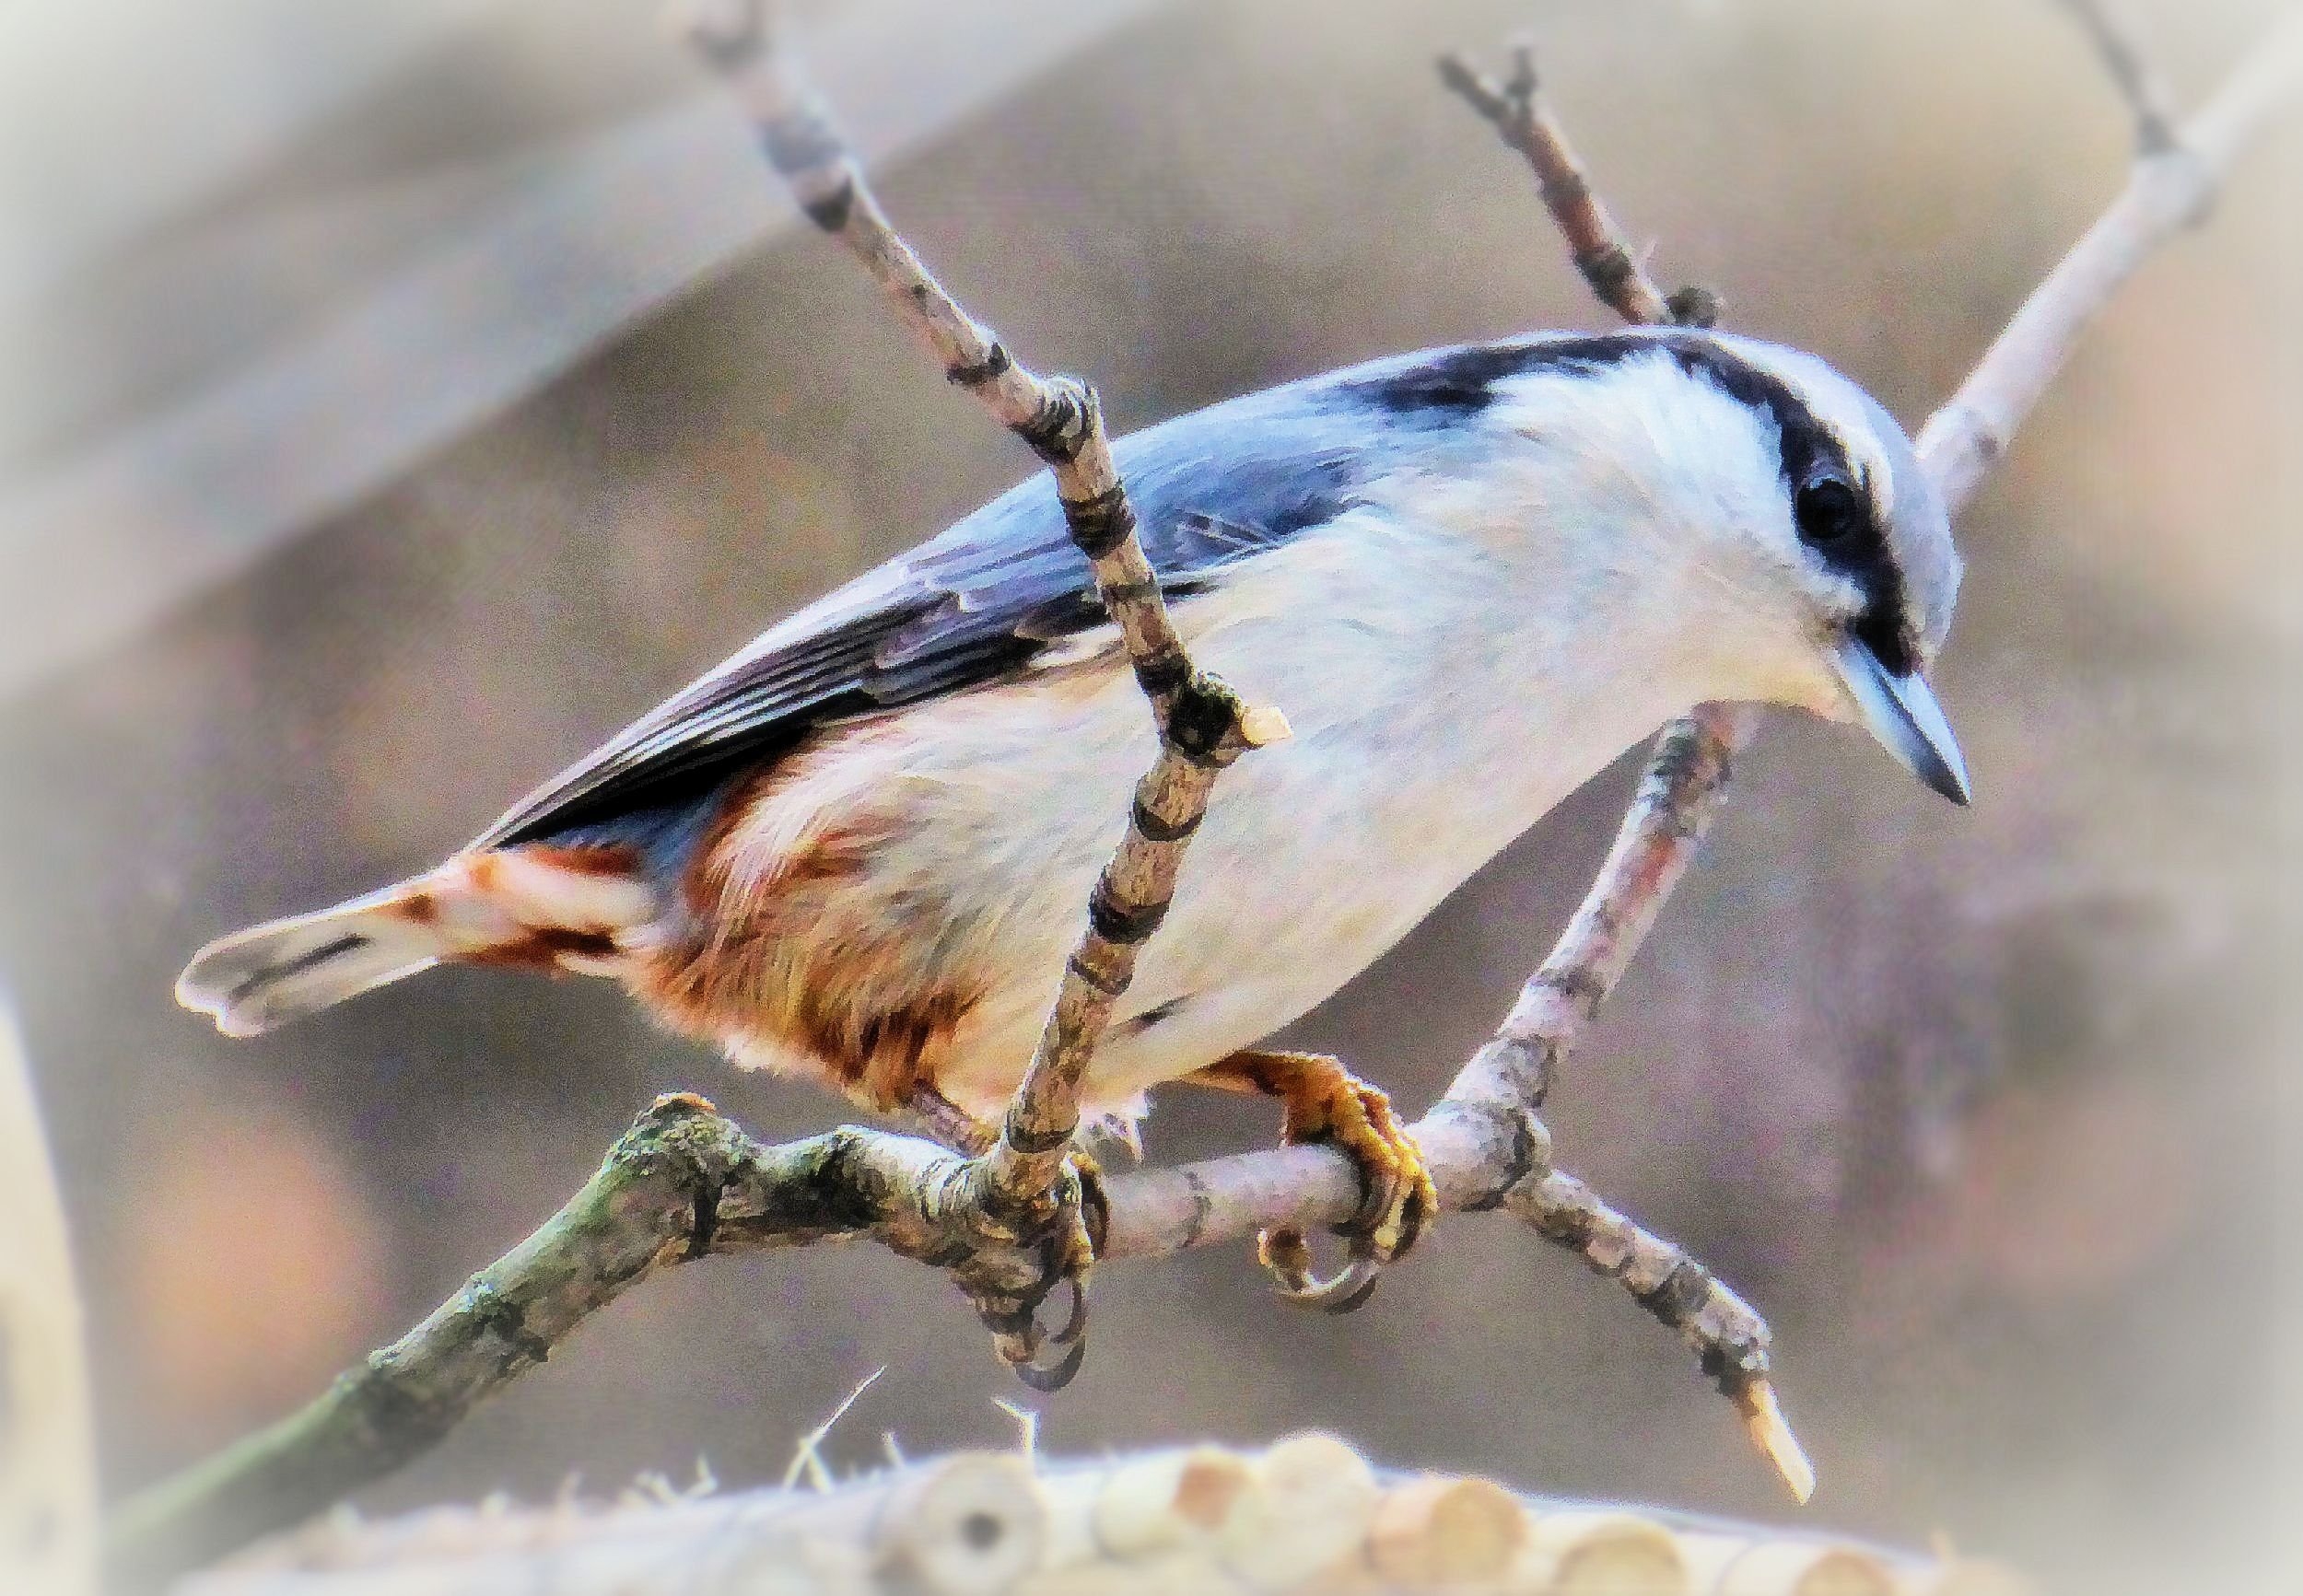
(1828, 510)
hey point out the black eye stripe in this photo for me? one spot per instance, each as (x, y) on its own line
(1813, 455)
(1449, 387)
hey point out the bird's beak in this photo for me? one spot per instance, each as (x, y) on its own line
(1902, 714)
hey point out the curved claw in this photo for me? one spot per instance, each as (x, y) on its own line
(1390, 1200)
(1059, 1257)
(1345, 1290)
(1019, 1340)
(1324, 1102)
(1075, 1325)
(1055, 1376)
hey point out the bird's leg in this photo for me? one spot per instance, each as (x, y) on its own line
(1028, 1253)
(950, 1123)
(1323, 1101)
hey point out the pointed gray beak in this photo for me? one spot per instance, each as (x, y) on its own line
(1902, 714)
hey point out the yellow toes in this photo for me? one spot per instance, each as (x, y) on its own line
(1325, 1102)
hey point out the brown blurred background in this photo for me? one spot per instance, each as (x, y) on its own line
(1982, 1109)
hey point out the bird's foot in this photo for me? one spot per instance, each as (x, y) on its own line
(1010, 1258)
(1327, 1103)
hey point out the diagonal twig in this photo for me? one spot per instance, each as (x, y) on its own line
(1203, 726)
(685, 1182)
(2112, 29)
(1597, 245)
(1680, 793)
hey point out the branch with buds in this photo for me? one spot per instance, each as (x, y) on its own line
(685, 1182)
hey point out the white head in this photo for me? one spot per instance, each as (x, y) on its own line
(1827, 569)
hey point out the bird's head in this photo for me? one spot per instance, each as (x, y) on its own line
(1815, 555)
(1861, 534)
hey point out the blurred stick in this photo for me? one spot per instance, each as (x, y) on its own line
(47, 1436)
(659, 1200)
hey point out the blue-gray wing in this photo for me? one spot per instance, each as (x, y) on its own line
(975, 605)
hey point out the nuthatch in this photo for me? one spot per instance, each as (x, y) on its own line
(858, 851)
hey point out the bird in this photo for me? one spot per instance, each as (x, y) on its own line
(858, 851)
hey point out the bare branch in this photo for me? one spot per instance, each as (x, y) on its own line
(2166, 193)
(2111, 28)
(1687, 774)
(1679, 795)
(1729, 1337)
(1595, 243)
(1677, 798)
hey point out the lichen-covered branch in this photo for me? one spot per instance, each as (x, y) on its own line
(682, 1182)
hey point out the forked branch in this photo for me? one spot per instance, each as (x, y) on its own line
(685, 1182)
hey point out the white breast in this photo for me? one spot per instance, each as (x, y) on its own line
(1443, 697)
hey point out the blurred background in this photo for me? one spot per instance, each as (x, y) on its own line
(398, 398)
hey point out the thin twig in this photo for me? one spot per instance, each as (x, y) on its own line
(1677, 798)
(1729, 1337)
(2111, 28)
(1686, 773)
(1203, 726)
(1679, 795)
(806, 1456)
(684, 1182)
(1598, 246)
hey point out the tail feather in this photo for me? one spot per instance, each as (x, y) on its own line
(268, 974)
(538, 907)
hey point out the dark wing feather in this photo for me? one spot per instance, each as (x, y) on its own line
(970, 606)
